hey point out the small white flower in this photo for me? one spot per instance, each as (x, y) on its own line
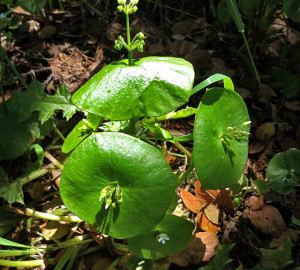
(162, 238)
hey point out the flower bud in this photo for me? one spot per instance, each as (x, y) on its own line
(140, 48)
(121, 39)
(120, 8)
(141, 36)
(134, 2)
(134, 9)
(121, 2)
(142, 42)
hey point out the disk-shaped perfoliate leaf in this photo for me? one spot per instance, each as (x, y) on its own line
(169, 237)
(220, 138)
(139, 178)
(152, 86)
(283, 171)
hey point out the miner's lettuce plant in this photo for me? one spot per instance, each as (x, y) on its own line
(118, 181)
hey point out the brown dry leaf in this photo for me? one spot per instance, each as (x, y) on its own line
(212, 213)
(55, 230)
(55, 202)
(256, 147)
(176, 133)
(156, 48)
(219, 66)
(113, 31)
(201, 248)
(288, 142)
(292, 105)
(181, 47)
(36, 190)
(224, 201)
(7, 96)
(267, 220)
(206, 196)
(205, 224)
(210, 240)
(190, 201)
(30, 26)
(265, 90)
(98, 260)
(47, 31)
(200, 59)
(70, 65)
(244, 92)
(171, 159)
(178, 37)
(289, 233)
(265, 131)
(183, 27)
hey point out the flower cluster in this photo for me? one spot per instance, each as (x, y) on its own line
(127, 8)
(137, 43)
(112, 195)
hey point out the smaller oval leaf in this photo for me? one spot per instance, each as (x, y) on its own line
(220, 138)
(283, 171)
(176, 232)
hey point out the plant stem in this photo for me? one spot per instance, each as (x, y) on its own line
(34, 263)
(128, 40)
(34, 175)
(54, 161)
(36, 214)
(185, 174)
(183, 149)
(114, 263)
(251, 58)
(59, 133)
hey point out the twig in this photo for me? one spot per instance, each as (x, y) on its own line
(54, 160)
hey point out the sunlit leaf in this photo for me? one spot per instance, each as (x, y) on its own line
(152, 86)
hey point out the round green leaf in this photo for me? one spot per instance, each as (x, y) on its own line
(145, 178)
(292, 9)
(218, 163)
(283, 171)
(147, 246)
(152, 86)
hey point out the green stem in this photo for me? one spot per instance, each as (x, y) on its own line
(132, 123)
(34, 263)
(128, 40)
(59, 133)
(114, 263)
(185, 174)
(54, 160)
(183, 149)
(251, 58)
(34, 175)
(37, 214)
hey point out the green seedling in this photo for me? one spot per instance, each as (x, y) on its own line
(118, 181)
(123, 185)
(283, 171)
